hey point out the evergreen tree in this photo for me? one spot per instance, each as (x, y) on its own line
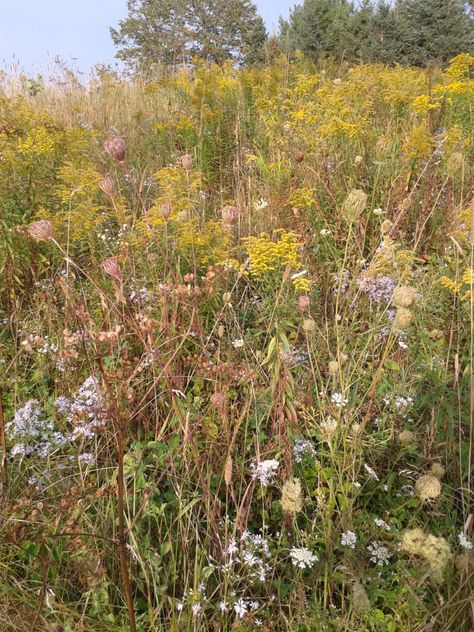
(435, 30)
(319, 27)
(173, 31)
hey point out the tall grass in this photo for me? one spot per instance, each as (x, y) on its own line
(236, 375)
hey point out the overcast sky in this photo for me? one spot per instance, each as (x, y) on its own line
(34, 32)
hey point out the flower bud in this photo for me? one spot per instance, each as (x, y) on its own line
(186, 162)
(303, 302)
(165, 210)
(111, 267)
(41, 230)
(107, 185)
(116, 148)
(354, 204)
(229, 213)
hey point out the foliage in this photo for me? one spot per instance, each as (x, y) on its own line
(236, 363)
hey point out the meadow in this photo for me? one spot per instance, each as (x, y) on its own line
(236, 350)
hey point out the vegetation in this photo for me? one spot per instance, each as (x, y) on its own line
(236, 354)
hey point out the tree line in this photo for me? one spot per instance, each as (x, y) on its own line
(408, 32)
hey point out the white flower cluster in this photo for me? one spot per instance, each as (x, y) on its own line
(85, 411)
(301, 448)
(349, 538)
(251, 552)
(339, 400)
(302, 557)
(265, 471)
(464, 542)
(32, 435)
(379, 554)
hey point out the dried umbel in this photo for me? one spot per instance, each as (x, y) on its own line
(111, 267)
(165, 210)
(107, 185)
(412, 541)
(386, 227)
(354, 204)
(403, 319)
(186, 162)
(427, 487)
(303, 302)
(437, 470)
(358, 160)
(406, 437)
(333, 367)
(404, 296)
(435, 551)
(455, 164)
(360, 601)
(41, 230)
(229, 214)
(291, 497)
(227, 298)
(309, 325)
(299, 155)
(116, 148)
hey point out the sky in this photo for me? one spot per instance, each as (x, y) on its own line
(34, 32)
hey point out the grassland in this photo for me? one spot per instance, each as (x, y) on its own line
(236, 350)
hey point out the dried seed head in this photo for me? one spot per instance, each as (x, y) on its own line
(291, 501)
(412, 541)
(358, 160)
(333, 367)
(111, 267)
(455, 164)
(107, 185)
(386, 227)
(354, 204)
(41, 230)
(404, 296)
(228, 470)
(165, 210)
(437, 470)
(116, 148)
(309, 325)
(299, 155)
(227, 297)
(186, 162)
(427, 487)
(303, 302)
(360, 601)
(403, 319)
(406, 437)
(229, 214)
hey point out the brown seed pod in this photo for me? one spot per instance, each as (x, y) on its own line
(116, 148)
(186, 162)
(41, 230)
(107, 185)
(111, 267)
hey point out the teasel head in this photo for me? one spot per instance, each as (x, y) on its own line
(116, 148)
(41, 230)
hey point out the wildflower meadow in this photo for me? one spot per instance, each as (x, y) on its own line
(236, 349)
